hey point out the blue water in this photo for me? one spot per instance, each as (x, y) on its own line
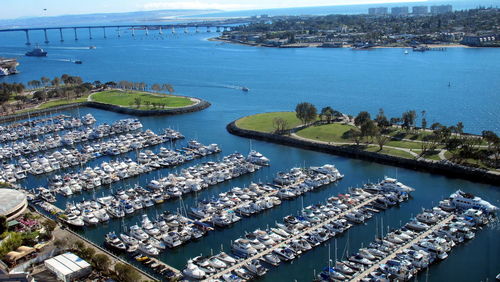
(348, 81)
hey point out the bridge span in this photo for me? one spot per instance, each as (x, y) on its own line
(159, 28)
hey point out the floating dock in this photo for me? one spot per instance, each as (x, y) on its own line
(270, 250)
(403, 247)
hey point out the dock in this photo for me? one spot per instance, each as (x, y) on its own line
(405, 246)
(270, 250)
(166, 266)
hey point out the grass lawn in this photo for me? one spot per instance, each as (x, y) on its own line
(390, 151)
(55, 103)
(328, 132)
(433, 156)
(404, 144)
(264, 122)
(126, 98)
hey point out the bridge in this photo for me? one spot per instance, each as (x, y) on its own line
(219, 26)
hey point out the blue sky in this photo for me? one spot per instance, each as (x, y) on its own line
(35, 8)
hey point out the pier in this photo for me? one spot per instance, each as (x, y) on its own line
(403, 247)
(290, 239)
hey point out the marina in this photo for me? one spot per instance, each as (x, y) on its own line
(315, 225)
(208, 69)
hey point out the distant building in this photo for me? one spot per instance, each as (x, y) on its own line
(379, 11)
(479, 40)
(441, 9)
(399, 11)
(420, 10)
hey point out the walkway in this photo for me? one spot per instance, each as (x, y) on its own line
(290, 239)
(406, 246)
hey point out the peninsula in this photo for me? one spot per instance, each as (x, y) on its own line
(398, 140)
(476, 27)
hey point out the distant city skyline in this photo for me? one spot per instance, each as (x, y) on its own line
(37, 8)
(47, 8)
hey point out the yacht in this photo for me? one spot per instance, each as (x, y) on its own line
(392, 184)
(148, 226)
(243, 247)
(226, 258)
(148, 249)
(113, 241)
(331, 274)
(272, 259)
(256, 268)
(466, 201)
(89, 217)
(193, 271)
(74, 220)
(138, 233)
(129, 240)
(257, 158)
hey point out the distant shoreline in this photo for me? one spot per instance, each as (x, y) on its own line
(317, 45)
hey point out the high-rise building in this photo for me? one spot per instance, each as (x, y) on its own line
(441, 9)
(420, 10)
(399, 11)
(378, 11)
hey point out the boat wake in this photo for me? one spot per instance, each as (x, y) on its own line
(69, 48)
(222, 86)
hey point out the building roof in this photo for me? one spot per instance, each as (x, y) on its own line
(67, 263)
(10, 200)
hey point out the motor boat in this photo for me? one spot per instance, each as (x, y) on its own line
(193, 271)
(138, 233)
(113, 241)
(256, 268)
(148, 249)
(243, 247)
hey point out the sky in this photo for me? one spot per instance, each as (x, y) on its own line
(10, 9)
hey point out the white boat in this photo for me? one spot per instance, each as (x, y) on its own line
(243, 247)
(148, 249)
(89, 217)
(113, 241)
(193, 271)
(102, 215)
(466, 201)
(256, 268)
(392, 184)
(272, 259)
(129, 240)
(138, 233)
(74, 220)
(257, 158)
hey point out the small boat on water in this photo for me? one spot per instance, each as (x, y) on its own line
(78, 62)
(245, 89)
(36, 52)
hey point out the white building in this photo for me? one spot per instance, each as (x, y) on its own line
(68, 267)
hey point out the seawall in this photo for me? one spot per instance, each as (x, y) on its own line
(444, 168)
(198, 106)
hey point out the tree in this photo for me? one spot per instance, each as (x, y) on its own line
(3, 224)
(381, 139)
(353, 134)
(50, 225)
(137, 102)
(156, 87)
(327, 113)
(490, 137)
(424, 121)
(361, 118)
(381, 119)
(147, 104)
(167, 87)
(369, 128)
(280, 125)
(306, 112)
(126, 273)
(459, 127)
(408, 119)
(395, 120)
(56, 81)
(45, 80)
(102, 262)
